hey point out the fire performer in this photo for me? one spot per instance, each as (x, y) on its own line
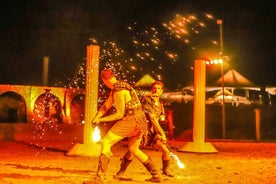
(130, 122)
(154, 109)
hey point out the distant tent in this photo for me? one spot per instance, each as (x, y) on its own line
(232, 78)
(226, 93)
(145, 82)
(271, 90)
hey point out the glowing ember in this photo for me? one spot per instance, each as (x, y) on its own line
(96, 135)
(151, 49)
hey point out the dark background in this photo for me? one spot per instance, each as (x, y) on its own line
(236, 128)
(32, 29)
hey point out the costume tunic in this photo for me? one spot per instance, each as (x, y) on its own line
(155, 108)
(134, 122)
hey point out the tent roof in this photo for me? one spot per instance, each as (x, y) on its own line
(226, 92)
(232, 78)
(145, 81)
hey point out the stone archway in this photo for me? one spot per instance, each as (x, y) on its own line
(12, 108)
(47, 109)
(77, 109)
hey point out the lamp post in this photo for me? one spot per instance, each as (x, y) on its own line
(219, 22)
(223, 103)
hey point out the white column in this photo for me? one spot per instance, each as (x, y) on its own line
(89, 148)
(199, 144)
(91, 90)
(199, 101)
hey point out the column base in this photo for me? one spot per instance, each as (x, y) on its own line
(198, 147)
(93, 149)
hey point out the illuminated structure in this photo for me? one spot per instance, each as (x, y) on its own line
(89, 148)
(50, 106)
(40, 103)
(199, 145)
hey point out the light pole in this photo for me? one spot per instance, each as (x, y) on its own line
(219, 22)
(223, 103)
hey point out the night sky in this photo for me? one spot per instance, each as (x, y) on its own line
(61, 29)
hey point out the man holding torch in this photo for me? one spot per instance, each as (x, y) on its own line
(154, 109)
(130, 122)
(155, 113)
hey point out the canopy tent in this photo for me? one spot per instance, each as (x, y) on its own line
(226, 93)
(232, 78)
(238, 85)
(271, 90)
(145, 82)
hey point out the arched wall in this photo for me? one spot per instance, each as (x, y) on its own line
(31, 94)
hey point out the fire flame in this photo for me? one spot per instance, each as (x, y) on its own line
(178, 161)
(180, 165)
(96, 135)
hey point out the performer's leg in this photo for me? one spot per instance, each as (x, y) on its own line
(142, 157)
(165, 157)
(108, 140)
(125, 161)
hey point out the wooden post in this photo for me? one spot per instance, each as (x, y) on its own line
(45, 71)
(258, 124)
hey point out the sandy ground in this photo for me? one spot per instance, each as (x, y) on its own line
(234, 163)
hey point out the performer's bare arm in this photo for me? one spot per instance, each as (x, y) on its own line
(104, 108)
(119, 99)
(155, 122)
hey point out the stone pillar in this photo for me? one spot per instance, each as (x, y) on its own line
(89, 148)
(199, 145)
(91, 90)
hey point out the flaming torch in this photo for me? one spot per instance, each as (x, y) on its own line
(178, 161)
(175, 157)
(96, 134)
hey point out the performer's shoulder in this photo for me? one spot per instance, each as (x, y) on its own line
(121, 85)
(147, 98)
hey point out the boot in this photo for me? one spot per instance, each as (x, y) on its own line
(166, 164)
(156, 177)
(103, 163)
(124, 164)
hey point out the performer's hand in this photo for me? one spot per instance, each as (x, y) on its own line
(163, 138)
(95, 122)
(162, 118)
